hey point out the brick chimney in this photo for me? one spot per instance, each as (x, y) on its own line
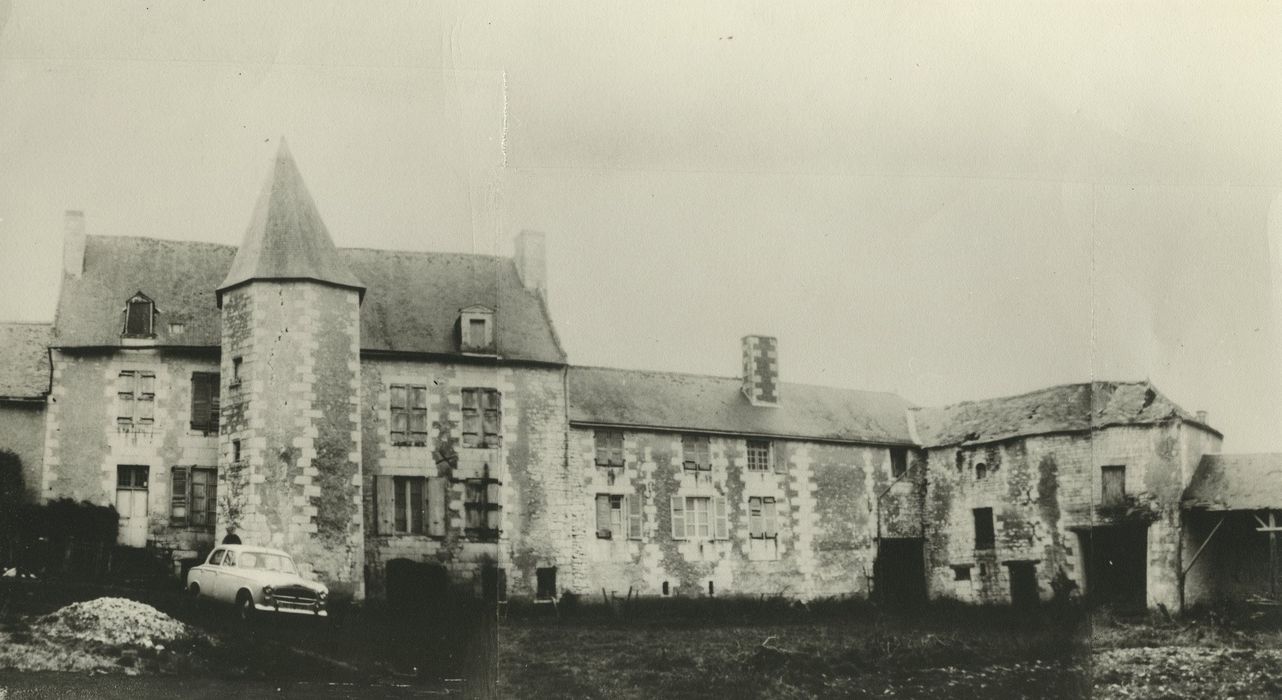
(73, 243)
(531, 262)
(761, 370)
(1201, 417)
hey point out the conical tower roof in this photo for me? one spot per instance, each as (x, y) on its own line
(286, 239)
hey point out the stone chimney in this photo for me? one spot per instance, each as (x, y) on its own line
(761, 370)
(531, 263)
(73, 243)
(1201, 417)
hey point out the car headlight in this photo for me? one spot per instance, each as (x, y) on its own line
(324, 594)
(267, 591)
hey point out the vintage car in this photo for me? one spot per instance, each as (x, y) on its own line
(256, 579)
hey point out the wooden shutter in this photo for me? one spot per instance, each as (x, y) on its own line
(602, 448)
(178, 496)
(723, 521)
(603, 516)
(418, 414)
(678, 517)
(436, 506)
(214, 404)
(755, 528)
(777, 458)
(634, 516)
(384, 505)
(199, 401)
(400, 420)
(769, 522)
(1113, 485)
(211, 494)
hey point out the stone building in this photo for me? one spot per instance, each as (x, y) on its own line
(393, 418)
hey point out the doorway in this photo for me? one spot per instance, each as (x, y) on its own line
(131, 504)
(1023, 584)
(1116, 559)
(899, 573)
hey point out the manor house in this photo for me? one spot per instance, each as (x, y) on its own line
(368, 410)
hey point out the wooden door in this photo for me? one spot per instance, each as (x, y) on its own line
(131, 504)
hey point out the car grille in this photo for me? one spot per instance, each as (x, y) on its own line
(295, 597)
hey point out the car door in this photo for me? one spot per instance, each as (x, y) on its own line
(205, 574)
(225, 585)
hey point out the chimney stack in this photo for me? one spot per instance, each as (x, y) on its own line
(1201, 418)
(73, 243)
(761, 370)
(531, 262)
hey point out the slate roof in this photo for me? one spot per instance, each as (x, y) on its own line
(1065, 408)
(667, 400)
(286, 238)
(411, 303)
(24, 360)
(1236, 482)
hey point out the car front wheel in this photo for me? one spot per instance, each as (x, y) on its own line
(245, 606)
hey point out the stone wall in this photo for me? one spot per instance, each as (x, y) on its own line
(85, 443)
(22, 432)
(1045, 491)
(827, 518)
(295, 413)
(529, 467)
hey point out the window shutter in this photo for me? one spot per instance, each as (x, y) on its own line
(770, 525)
(616, 451)
(436, 506)
(603, 516)
(211, 495)
(214, 404)
(678, 518)
(634, 516)
(780, 464)
(602, 448)
(178, 496)
(755, 528)
(199, 402)
(723, 524)
(385, 505)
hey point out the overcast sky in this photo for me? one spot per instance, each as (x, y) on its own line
(946, 200)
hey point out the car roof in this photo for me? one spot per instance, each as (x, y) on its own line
(251, 548)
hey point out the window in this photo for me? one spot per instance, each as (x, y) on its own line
(985, 537)
(759, 455)
(235, 451)
(482, 418)
(1113, 485)
(981, 471)
(135, 398)
(482, 508)
(236, 363)
(609, 448)
(218, 557)
(476, 329)
(409, 504)
(614, 513)
(695, 453)
(131, 477)
(898, 462)
(961, 572)
(204, 402)
(762, 521)
(193, 499)
(699, 517)
(546, 578)
(139, 312)
(409, 414)
(177, 328)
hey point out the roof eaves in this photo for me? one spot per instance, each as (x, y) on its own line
(579, 423)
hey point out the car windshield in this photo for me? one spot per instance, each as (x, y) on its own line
(264, 561)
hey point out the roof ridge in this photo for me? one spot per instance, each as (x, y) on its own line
(493, 256)
(1042, 390)
(107, 237)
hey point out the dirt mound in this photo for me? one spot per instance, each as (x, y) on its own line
(102, 635)
(114, 621)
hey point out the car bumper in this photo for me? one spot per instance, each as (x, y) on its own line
(269, 608)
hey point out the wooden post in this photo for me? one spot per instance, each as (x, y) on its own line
(1273, 557)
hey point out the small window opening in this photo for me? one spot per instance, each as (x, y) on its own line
(1113, 485)
(985, 536)
(235, 370)
(546, 578)
(665, 588)
(981, 470)
(898, 462)
(961, 573)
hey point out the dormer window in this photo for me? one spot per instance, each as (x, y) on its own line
(140, 312)
(476, 329)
